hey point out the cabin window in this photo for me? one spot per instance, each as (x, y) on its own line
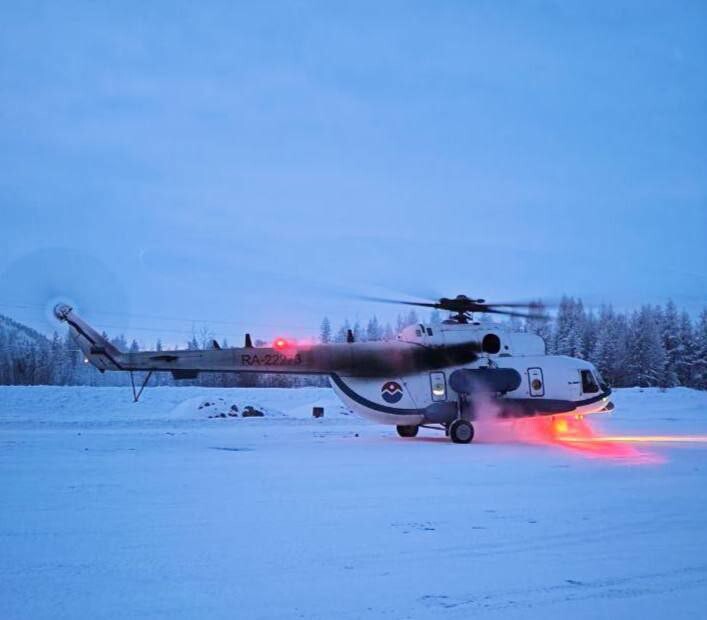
(535, 382)
(491, 344)
(438, 385)
(589, 383)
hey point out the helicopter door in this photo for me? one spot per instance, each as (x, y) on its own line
(535, 382)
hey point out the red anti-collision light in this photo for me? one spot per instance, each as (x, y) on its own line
(280, 343)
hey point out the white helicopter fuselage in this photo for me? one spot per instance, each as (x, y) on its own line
(549, 384)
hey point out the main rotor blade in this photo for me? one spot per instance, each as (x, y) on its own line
(522, 315)
(513, 305)
(462, 304)
(385, 300)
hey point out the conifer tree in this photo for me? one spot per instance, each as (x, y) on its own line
(541, 323)
(343, 332)
(357, 332)
(568, 334)
(388, 334)
(325, 331)
(699, 378)
(685, 354)
(670, 336)
(646, 357)
(373, 330)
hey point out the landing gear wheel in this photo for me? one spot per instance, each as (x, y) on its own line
(461, 431)
(407, 431)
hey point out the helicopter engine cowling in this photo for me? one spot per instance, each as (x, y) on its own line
(441, 413)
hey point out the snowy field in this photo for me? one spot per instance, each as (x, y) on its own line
(111, 509)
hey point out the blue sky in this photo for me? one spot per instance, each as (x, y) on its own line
(240, 163)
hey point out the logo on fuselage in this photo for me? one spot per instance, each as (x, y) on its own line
(391, 392)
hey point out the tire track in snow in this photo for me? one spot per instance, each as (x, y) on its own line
(631, 586)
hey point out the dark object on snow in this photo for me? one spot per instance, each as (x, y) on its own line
(318, 412)
(233, 411)
(251, 412)
(185, 374)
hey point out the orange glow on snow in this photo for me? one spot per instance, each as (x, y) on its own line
(560, 426)
(648, 439)
(578, 436)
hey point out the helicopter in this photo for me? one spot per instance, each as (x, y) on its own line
(434, 376)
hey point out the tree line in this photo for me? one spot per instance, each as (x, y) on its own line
(651, 346)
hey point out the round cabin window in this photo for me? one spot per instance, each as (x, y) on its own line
(491, 344)
(537, 385)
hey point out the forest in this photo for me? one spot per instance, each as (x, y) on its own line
(660, 346)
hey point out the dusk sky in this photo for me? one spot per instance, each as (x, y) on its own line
(249, 165)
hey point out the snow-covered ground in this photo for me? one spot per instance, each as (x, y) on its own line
(110, 509)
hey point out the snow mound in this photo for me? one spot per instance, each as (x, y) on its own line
(222, 407)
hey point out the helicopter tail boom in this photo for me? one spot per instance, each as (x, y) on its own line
(367, 359)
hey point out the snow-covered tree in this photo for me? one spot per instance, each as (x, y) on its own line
(685, 357)
(388, 333)
(410, 318)
(609, 352)
(645, 357)
(373, 330)
(119, 342)
(193, 344)
(589, 328)
(358, 332)
(325, 331)
(699, 377)
(568, 334)
(343, 331)
(670, 337)
(540, 324)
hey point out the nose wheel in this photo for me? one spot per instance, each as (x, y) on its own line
(461, 431)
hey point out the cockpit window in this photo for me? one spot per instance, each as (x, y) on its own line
(589, 383)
